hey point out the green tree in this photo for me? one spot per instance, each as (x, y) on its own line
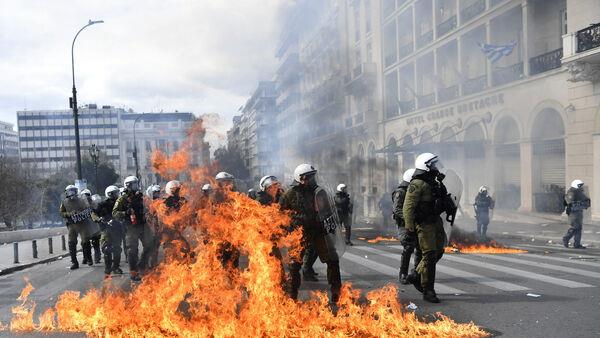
(106, 173)
(19, 193)
(231, 161)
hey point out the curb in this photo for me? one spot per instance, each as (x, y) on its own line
(20, 267)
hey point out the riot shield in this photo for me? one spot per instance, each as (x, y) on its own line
(454, 186)
(328, 216)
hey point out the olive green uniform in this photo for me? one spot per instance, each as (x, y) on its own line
(302, 201)
(130, 207)
(420, 215)
(78, 216)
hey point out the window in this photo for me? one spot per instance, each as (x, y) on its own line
(391, 94)
(389, 43)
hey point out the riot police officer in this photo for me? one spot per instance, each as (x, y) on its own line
(270, 190)
(112, 232)
(344, 207)
(129, 209)
(311, 210)
(78, 216)
(95, 240)
(576, 201)
(149, 258)
(483, 204)
(230, 255)
(173, 235)
(426, 199)
(407, 239)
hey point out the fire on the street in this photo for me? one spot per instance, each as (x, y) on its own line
(198, 297)
(378, 239)
(469, 243)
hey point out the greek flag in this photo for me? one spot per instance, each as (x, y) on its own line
(495, 52)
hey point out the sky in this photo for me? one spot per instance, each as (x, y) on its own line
(201, 56)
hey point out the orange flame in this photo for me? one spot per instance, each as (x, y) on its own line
(199, 297)
(379, 239)
(492, 247)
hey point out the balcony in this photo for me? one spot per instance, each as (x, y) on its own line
(581, 54)
(405, 50)
(588, 38)
(472, 11)
(474, 85)
(362, 78)
(424, 39)
(425, 101)
(406, 106)
(446, 26)
(545, 62)
(504, 75)
(447, 94)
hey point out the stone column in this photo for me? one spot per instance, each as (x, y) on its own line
(526, 176)
(525, 42)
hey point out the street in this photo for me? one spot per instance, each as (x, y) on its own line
(548, 291)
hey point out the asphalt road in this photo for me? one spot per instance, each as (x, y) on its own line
(489, 290)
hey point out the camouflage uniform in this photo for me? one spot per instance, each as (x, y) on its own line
(133, 232)
(407, 239)
(78, 215)
(576, 201)
(422, 214)
(302, 201)
(172, 238)
(112, 235)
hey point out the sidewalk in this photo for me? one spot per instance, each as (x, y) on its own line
(26, 259)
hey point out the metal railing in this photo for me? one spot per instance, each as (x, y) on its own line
(588, 38)
(545, 62)
(475, 85)
(406, 106)
(425, 101)
(424, 39)
(472, 11)
(447, 26)
(447, 94)
(504, 75)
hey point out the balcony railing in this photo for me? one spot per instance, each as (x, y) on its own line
(424, 39)
(426, 100)
(406, 106)
(405, 50)
(474, 85)
(472, 11)
(545, 62)
(588, 38)
(446, 26)
(447, 94)
(504, 75)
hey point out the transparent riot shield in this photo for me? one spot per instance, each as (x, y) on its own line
(454, 186)
(329, 217)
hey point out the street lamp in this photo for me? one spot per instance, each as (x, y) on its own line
(135, 155)
(73, 100)
(95, 154)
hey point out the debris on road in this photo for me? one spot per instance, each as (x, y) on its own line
(411, 306)
(534, 295)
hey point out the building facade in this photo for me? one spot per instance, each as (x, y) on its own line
(9, 140)
(47, 137)
(521, 124)
(147, 132)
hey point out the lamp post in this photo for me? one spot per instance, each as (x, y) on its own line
(73, 100)
(95, 154)
(135, 154)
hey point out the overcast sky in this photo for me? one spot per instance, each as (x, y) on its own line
(203, 56)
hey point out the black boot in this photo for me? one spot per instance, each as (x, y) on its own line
(87, 252)
(565, 242)
(415, 279)
(108, 266)
(430, 296)
(403, 278)
(96, 246)
(73, 254)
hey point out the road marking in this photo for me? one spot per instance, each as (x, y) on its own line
(517, 272)
(565, 260)
(393, 272)
(544, 265)
(494, 283)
